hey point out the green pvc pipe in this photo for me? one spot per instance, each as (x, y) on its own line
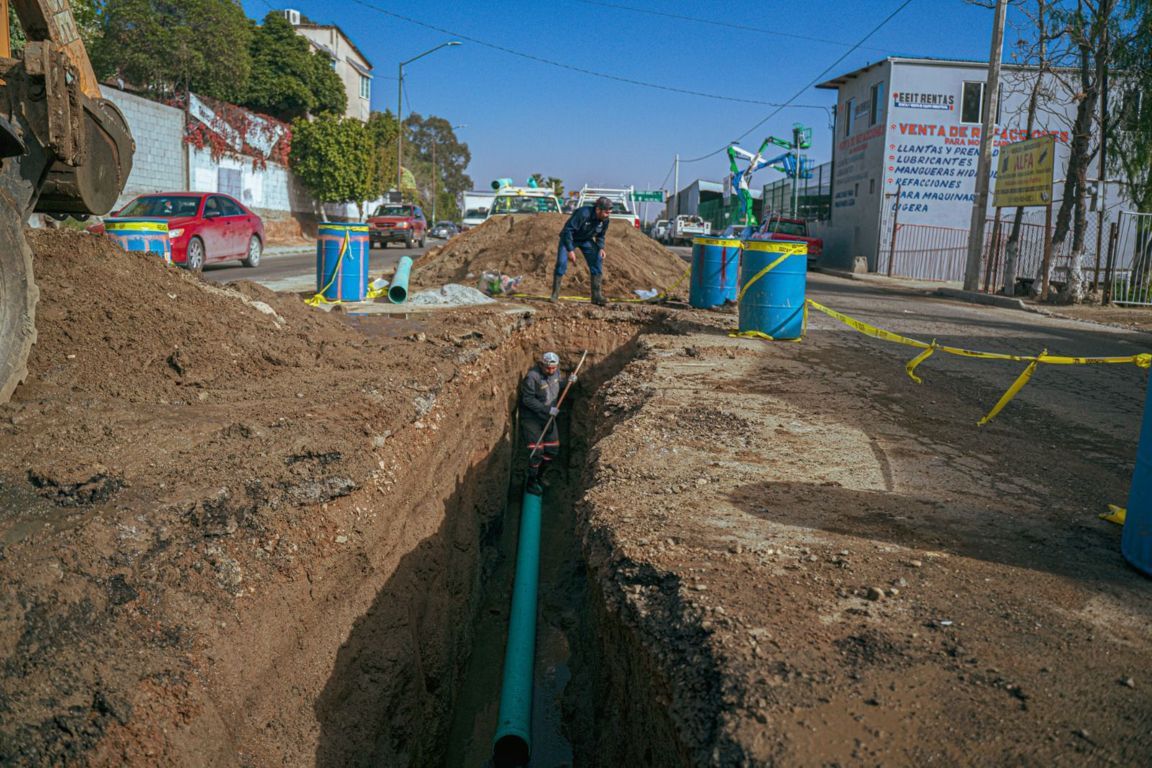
(398, 290)
(512, 744)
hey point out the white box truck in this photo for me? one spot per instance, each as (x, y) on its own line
(475, 207)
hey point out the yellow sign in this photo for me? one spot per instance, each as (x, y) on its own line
(1024, 173)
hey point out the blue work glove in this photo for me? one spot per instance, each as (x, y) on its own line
(553, 411)
(572, 378)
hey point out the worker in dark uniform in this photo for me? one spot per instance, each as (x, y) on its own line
(586, 229)
(539, 394)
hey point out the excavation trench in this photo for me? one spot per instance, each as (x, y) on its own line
(417, 682)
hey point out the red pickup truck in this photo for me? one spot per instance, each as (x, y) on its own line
(397, 223)
(793, 230)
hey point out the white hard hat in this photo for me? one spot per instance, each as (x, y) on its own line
(550, 358)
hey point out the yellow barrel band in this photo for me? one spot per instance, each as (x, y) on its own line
(136, 226)
(723, 242)
(341, 228)
(776, 246)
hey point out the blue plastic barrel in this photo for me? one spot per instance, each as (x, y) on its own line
(772, 286)
(141, 235)
(715, 271)
(342, 261)
(1136, 541)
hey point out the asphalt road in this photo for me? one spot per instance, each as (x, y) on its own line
(296, 270)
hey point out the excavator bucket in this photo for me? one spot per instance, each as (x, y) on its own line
(18, 296)
(63, 150)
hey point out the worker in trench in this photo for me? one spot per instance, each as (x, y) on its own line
(539, 406)
(586, 230)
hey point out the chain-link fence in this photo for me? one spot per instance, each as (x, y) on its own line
(1129, 272)
(926, 252)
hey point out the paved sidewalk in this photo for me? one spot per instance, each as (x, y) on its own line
(289, 250)
(947, 289)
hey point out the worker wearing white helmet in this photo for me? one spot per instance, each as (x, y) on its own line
(539, 396)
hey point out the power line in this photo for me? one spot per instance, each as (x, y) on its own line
(723, 24)
(573, 68)
(813, 82)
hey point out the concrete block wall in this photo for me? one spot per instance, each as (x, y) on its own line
(165, 163)
(158, 165)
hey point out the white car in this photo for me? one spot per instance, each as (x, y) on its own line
(660, 230)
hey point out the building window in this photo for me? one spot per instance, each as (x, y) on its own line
(877, 104)
(849, 109)
(365, 87)
(972, 104)
(871, 186)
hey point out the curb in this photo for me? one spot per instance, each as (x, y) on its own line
(973, 297)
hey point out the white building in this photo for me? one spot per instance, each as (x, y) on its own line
(350, 64)
(913, 126)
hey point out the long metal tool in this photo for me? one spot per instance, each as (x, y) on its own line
(559, 400)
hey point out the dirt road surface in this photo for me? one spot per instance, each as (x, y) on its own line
(235, 531)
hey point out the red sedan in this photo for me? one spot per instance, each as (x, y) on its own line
(203, 228)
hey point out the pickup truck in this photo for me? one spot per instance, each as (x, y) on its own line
(683, 228)
(397, 223)
(790, 230)
(623, 208)
(660, 230)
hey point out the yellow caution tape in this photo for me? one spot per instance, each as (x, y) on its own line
(319, 298)
(1142, 360)
(658, 297)
(1006, 398)
(370, 294)
(760, 274)
(1115, 514)
(914, 362)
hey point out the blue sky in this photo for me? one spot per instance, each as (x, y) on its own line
(522, 116)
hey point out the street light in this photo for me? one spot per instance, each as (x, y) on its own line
(400, 112)
(434, 174)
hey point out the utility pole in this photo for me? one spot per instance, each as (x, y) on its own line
(676, 188)
(984, 166)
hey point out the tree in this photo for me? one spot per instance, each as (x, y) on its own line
(383, 128)
(335, 158)
(171, 47)
(550, 182)
(452, 158)
(288, 79)
(1130, 126)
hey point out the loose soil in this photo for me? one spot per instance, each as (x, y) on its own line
(235, 531)
(526, 246)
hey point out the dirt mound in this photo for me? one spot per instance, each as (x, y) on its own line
(526, 245)
(128, 326)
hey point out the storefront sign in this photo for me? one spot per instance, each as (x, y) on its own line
(945, 101)
(1024, 173)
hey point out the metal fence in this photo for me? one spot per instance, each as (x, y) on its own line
(1130, 259)
(925, 252)
(814, 195)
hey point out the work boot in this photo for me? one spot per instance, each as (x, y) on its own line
(533, 485)
(541, 472)
(597, 296)
(556, 280)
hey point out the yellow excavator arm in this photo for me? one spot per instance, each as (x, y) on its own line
(64, 149)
